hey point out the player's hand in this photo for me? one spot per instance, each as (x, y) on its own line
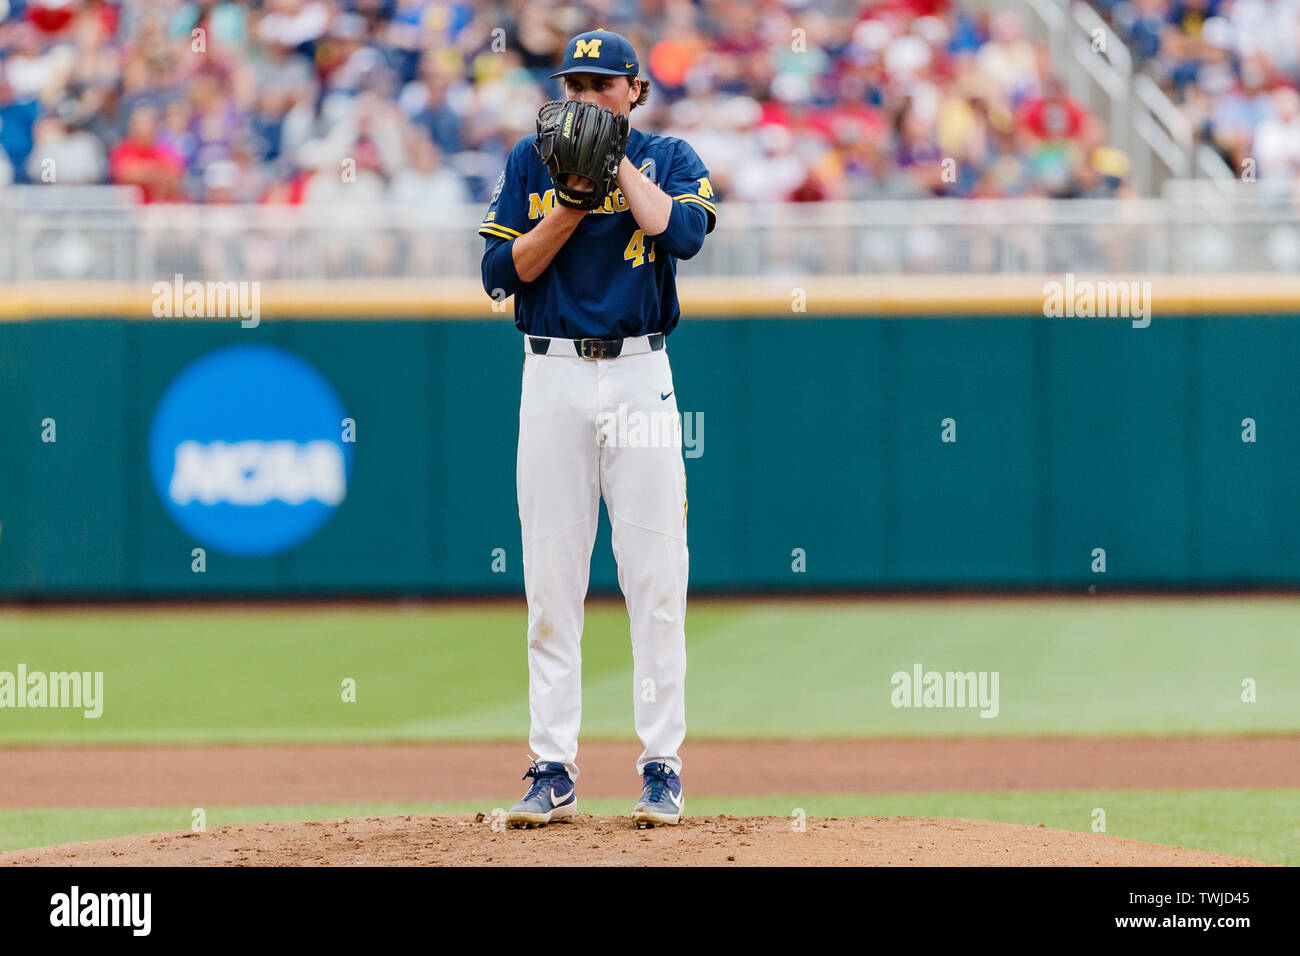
(626, 170)
(575, 183)
(579, 183)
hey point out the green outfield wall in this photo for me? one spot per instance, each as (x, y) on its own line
(820, 439)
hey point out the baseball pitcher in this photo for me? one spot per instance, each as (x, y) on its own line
(585, 228)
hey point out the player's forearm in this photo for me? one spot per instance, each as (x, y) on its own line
(684, 235)
(534, 250)
(651, 206)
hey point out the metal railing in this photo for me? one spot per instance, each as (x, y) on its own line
(1197, 229)
(1098, 71)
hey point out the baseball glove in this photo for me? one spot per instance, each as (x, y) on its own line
(585, 140)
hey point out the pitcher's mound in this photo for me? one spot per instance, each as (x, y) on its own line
(614, 841)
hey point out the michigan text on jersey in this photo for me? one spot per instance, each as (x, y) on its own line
(544, 204)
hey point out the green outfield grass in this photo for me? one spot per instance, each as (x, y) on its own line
(1256, 824)
(761, 669)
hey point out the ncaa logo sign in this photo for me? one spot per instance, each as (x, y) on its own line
(246, 453)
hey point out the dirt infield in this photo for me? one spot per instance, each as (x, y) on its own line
(597, 841)
(212, 776)
(231, 775)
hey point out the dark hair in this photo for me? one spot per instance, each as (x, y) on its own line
(645, 90)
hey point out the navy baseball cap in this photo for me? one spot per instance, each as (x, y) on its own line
(599, 51)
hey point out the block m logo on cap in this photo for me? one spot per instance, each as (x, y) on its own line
(589, 48)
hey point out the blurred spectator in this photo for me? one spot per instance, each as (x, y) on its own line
(17, 117)
(295, 24)
(426, 183)
(50, 16)
(428, 103)
(1271, 27)
(1008, 59)
(1053, 116)
(34, 67)
(65, 152)
(141, 160)
(1277, 141)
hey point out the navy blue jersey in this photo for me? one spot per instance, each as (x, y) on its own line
(609, 280)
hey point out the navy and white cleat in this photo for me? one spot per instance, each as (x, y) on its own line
(661, 800)
(551, 797)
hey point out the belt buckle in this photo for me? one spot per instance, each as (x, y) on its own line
(593, 348)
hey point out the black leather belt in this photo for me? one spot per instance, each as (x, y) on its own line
(593, 348)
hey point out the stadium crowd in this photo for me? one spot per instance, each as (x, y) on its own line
(416, 102)
(1233, 66)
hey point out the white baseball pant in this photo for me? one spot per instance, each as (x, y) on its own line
(590, 428)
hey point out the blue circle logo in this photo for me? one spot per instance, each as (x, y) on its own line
(246, 450)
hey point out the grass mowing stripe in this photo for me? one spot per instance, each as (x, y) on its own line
(1260, 824)
(796, 668)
